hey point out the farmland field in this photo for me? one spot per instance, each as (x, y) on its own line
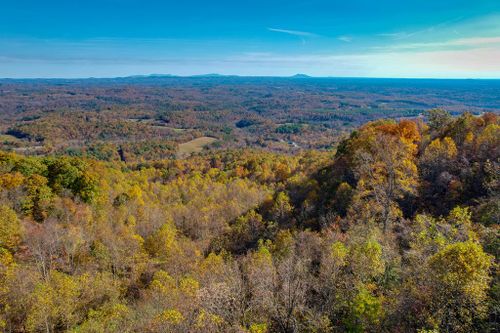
(194, 146)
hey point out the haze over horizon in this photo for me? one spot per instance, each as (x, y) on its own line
(111, 38)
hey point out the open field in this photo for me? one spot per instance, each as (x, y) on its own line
(194, 146)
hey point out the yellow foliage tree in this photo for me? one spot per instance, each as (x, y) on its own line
(10, 228)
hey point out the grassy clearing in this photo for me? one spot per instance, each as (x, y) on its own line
(194, 146)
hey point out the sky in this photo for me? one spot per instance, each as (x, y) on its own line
(350, 38)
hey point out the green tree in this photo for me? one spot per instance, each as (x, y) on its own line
(282, 207)
(39, 197)
(438, 118)
(366, 310)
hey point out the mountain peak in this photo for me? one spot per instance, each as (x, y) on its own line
(301, 76)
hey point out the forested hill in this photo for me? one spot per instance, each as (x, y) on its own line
(396, 231)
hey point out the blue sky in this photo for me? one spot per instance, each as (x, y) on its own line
(368, 38)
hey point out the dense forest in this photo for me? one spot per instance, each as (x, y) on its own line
(146, 118)
(394, 230)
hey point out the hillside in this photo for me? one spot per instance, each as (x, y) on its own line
(395, 230)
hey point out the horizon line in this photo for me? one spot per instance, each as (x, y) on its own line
(216, 75)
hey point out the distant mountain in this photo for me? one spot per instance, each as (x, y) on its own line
(300, 76)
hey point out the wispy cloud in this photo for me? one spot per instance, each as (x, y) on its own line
(346, 39)
(472, 42)
(407, 34)
(398, 35)
(464, 63)
(294, 32)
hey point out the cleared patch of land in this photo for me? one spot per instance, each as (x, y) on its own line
(194, 146)
(176, 130)
(8, 138)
